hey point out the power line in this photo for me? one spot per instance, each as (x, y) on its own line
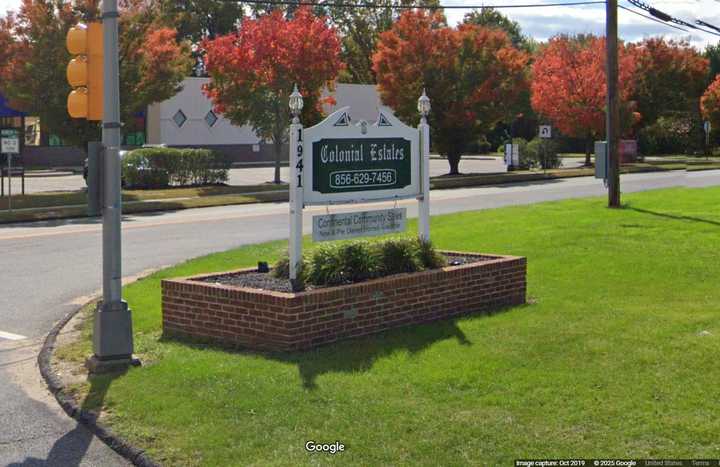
(666, 17)
(652, 19)
(707, 25)
(419, 7)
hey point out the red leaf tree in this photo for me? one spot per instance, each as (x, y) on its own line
(710, 103)
(253, 71)
(473, 76)
(569, 86)
(672, 76)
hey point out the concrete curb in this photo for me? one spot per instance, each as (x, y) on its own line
(133, 454)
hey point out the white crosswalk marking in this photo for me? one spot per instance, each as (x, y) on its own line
(10, 336)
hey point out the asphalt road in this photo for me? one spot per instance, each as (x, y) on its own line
(46, 266)
(47, 181)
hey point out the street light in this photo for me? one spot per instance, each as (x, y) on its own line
(424, 105)
(296, 104)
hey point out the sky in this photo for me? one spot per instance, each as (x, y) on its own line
(542, 23)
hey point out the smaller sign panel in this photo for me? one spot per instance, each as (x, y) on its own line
(512, 155)
(10, 145)
(707, 127)
(545, 131)
(358, 224)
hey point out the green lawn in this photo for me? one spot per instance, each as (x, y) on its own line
(609, 359)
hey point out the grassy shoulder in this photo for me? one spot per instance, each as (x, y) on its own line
(615, 357)
(146, 201)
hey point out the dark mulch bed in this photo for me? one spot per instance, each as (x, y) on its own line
(266, 281)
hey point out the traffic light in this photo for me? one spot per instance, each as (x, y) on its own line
(85, 71)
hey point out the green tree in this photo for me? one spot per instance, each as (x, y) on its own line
(491, 18)
(359, 30)
(152, 64)
(196, 20)
(712, 53)
(672, 75)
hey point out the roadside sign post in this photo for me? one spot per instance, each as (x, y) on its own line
(708, 128)
(9, 145)
(545, 134)
(9, 158)
(341, 162)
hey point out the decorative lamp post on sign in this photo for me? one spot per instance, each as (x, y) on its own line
(424, 198)
(296, 185)
(296, 104)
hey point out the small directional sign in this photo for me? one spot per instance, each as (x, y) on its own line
(545, 131)
(707, 127)
(9, 142)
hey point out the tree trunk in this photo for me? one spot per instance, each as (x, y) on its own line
(454, 161)
(588, 151)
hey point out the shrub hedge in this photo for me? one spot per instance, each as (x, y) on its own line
(543, 153)
(357, 261)
(672, 135)
(162, 167)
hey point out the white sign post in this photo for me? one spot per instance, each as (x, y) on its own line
(708, 128)
(9, 145)
(297, 202)
(340, 162)
(424, 198)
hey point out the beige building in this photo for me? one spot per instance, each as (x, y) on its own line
(187, 120)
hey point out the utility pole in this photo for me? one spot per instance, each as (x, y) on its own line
(613, 104)
(112, 336)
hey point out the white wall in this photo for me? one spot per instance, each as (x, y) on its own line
(162, 129)
(363, 100)
(195, 131)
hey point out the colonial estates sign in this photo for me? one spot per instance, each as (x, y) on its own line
(339, 161)
(355, 162)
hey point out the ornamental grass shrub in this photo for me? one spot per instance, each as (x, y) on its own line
(356, 261)
(163, 167)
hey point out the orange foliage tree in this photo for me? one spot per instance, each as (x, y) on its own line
(569, 86)
(253, 71)
(710, 103)
(152, 63)
(672, 76)
(473, 76)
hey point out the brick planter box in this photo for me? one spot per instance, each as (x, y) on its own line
(264, 320)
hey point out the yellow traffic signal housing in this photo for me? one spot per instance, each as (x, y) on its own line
(77, 72)
(85, 71)
(77, 103)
